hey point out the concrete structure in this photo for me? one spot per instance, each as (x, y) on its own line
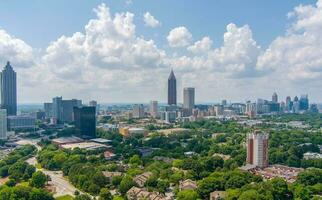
(8, 82)
(84, 145)
(3, 124)
(66, 140)
(172, 89)
(188, 100)
(251, 109)
(138, 111)
(85, 121)
(154, 109)
(21, 122)
(257, 149)
(48, 107)
(94, 104)
(169, 116)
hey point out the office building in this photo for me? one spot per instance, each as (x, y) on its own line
(188, 100)
(48, 107)
(304, 102)
(94, 104)
(288, 104)
(219, 110)
(257, 149)
(172, 89)
(85, 121)
(9, 90)
(274, 98)
(61, 110)
(169, 116)
(138, 111)
(57, 112)
(21, 122)
(296, 105)
(3, 124)
(154, 109)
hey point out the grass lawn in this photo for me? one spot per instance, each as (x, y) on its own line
(65, 197)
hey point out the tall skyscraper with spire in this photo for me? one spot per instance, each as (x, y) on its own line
(9, 90)
(172, 89)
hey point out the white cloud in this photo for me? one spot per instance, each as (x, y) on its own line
(15, 50)
(150, 20)
(179, 37)
(297, 54)
(108, 61)
(201, 46)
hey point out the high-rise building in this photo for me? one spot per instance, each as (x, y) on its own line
(61, 110)
(57, 113)
(257, 149)
(48, 107)
(67, 109)
(85, 121)
(188, 99)
(9, 90)
(250, 109)
(96, 105)
(154, 109)
(274, 97)
(304, 102)
(3, 124)
(172, 89)
(288, 104)
(138, 111)
(296, 105)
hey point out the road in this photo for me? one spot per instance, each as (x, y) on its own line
(58, 181)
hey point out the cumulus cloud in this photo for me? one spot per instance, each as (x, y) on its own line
(15, 50)
(297, 54)
(179, 37)
(150, 20)
(201, 46)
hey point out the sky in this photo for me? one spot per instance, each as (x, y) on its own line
(123, 50)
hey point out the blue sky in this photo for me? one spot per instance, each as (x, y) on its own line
(40, 22)
(123, 50)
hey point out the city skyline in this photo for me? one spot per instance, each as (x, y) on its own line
(231, 58)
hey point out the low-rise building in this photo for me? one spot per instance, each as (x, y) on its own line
(142, 178)
(110, 175)
(21, 122)
(130, 131)
(136, 193)
(217, 195)
(310, 155)
(188, 185)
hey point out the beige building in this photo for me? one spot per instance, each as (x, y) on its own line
(217, 195)
(141, 193)
(188, 185)
(142, 178)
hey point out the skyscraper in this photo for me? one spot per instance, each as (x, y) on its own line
(189, 99)
(257, 149)
(3, 124)
(138, 111)
(85, 121)
(9, 90)
(304, 102)
(274, 97)
(288, 103)
(154, 109)
(172, 89)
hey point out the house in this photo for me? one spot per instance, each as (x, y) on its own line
(136, 193)
(188, 185)
(217, 195)
(110, 175)
(142, 178)
(108, 155)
